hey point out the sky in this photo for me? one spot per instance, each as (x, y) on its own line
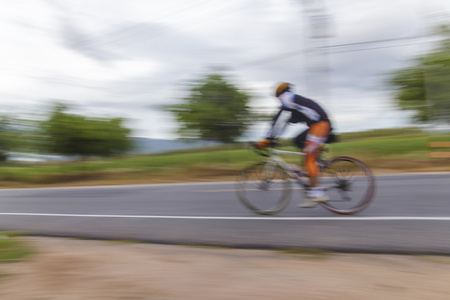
(126, 59)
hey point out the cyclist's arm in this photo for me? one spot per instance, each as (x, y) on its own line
(279, 123)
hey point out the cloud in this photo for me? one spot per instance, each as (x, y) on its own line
(127, 58)
(74, 39)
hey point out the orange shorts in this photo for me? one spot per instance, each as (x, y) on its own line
(317, 135)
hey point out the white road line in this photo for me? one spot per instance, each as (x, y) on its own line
(342, 218)
(232, 190)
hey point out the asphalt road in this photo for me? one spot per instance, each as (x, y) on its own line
(410, 214)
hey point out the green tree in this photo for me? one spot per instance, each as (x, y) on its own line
(214, 110)
(7, 134)
(424, 86)
(70, 134)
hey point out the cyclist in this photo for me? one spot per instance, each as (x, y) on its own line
(302, 110)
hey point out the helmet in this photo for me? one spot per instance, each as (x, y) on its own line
(282, 87)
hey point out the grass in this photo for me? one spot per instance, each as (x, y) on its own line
(13, 249)
(404, 152)
(307, 253)
(441, 259)
(163, 167)
(377, 133)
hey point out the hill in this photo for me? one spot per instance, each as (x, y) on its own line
(147, 145)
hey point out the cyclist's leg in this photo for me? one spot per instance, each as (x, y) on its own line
(317, 135)
(309, 143)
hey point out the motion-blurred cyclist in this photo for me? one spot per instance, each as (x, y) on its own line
(298, 109)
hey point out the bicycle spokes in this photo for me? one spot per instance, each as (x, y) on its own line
(351, 184)
(264, 188)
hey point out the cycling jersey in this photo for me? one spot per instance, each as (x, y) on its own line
(303, 110)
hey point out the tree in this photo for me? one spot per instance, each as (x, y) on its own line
(214, 110)
(70, 134)
(7, 135)
(424, 87)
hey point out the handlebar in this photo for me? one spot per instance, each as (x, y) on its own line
(265, 152)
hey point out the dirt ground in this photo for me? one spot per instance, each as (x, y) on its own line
(69, 269)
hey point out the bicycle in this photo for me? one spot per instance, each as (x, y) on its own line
(265, 187)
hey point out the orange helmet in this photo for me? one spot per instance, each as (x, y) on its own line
(282, 87)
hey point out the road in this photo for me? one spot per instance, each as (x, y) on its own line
(410, 214)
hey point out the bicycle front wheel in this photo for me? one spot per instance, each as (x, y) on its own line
(350, 185)
(264, 188)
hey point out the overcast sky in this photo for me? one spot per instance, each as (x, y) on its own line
(125, 58)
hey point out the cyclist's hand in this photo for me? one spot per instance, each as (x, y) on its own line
(262, 144)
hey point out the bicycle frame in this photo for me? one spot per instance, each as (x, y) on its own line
(274, 157)
(349, 182)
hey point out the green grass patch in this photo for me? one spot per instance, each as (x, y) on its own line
(212, 247)
(377, 133)
(382, 147)
(170, 166)
(388, 151)
(307, 253)
(13, 249)
(396, 153)
(13, 233)
(435, 259)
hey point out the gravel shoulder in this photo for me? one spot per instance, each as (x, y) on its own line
(66, 269)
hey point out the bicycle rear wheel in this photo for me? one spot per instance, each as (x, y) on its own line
(264, 188)
(350, 186)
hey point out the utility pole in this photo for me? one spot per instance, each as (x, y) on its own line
(317, 70)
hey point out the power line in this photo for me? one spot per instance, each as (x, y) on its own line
(412, 37)
(374, 42)
(379, 47)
